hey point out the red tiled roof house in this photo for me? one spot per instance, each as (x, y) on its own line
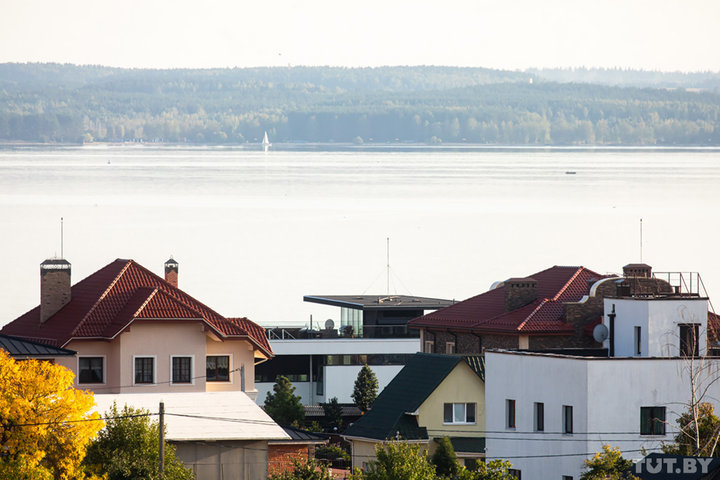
(136, 332)
(554, 308)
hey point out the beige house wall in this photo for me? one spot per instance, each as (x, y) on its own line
(462, 385)
(162, 340)
(111, 366)
(241, 354)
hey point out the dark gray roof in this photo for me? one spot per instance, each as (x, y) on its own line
(297, 435)
(468, 444)
(390, 413)
(380, 302)
(19, 347)
(317, 411)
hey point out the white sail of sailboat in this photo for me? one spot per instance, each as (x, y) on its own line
(266, 143)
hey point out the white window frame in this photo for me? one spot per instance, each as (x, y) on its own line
(230, 368)
(429, 346)
(449, 348)
(104, 370)
(454, 421)
(192, 370)
(154, 375)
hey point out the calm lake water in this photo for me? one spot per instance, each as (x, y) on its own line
(254, 232)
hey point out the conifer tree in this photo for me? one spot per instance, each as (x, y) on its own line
(366, 389)
(282, 405)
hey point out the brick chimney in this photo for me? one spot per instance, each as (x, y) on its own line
(54, 287)
(519, 292)
(641, 270)
(171, 272)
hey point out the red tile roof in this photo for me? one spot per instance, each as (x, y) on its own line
(485, 313)
(108, 301)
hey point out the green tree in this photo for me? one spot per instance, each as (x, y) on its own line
(333, 454)
(366, 389)
(697, 437)
(398, 460)
(492, 470)
(310, 470)
(128, 449)
(444, 458)
(607, 465)
(282, 405)
(333, 415)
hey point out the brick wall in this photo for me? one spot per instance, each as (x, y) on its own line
(280, 457)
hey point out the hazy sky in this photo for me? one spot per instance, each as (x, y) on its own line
(648, 34)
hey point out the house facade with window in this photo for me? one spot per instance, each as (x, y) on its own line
(136, 332)
(139, 336)
(433, 396)
(550, 411)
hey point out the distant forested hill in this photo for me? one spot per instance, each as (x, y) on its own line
(68, 103)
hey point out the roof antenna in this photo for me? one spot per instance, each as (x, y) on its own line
(61, 238)
(641, 260)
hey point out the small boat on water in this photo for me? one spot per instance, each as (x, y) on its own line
(266, 143)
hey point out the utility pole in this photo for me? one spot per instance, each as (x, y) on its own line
(388, 266)
(161, 435)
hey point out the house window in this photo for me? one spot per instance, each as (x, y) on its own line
(463, 413)
(449, 348)
(218, 368)
(567, 477)
(90, 370)
(509, 413)
(652, 420)
(689, 345)
(429, 346)
(567, 419)
(638, 340)
(515, 473)
(539, 417)
(181, 370)
(144, 370)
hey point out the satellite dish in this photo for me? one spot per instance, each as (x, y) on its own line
(329, 324)
(600, 333)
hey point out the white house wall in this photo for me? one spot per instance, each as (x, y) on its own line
(528, 380)
(660, 321)
(606, 395)
(339, 382)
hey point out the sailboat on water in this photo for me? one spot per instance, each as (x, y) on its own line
(266, 143)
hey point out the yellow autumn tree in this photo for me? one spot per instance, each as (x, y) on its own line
(45, 423)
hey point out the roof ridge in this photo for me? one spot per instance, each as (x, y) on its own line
(102, 296)
(145, 303)
(527, 318)
(567, 284)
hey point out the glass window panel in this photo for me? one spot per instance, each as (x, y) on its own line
(448, 413)
(470, 413)
(459, 412)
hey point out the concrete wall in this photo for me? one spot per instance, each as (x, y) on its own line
(606, 395)
(659, 320)
(247, 460)
(530, 379)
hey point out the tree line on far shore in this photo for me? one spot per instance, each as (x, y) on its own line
(53, 103)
